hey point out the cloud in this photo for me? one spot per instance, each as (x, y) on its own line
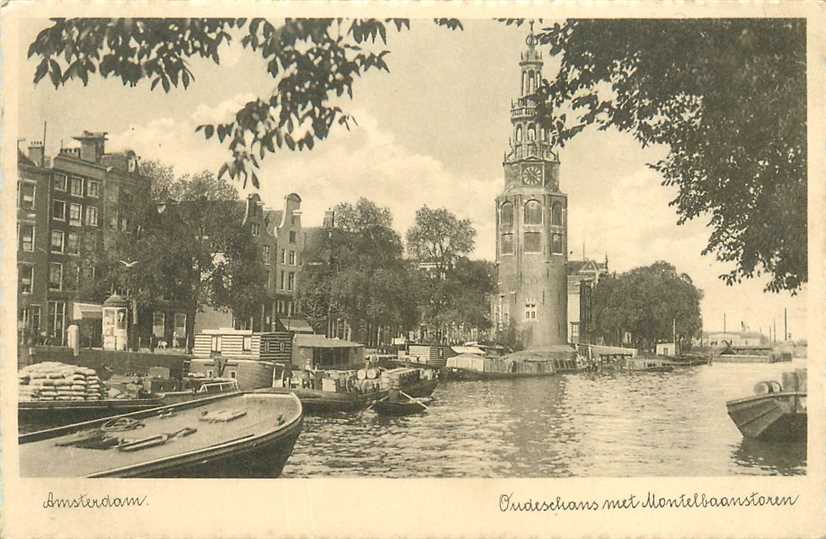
(627, 217)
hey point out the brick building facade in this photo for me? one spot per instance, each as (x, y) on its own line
(531, 224)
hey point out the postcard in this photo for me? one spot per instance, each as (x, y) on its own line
(367, 269)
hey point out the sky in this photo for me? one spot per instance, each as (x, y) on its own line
(431, 132)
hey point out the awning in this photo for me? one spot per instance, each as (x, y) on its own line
(86, 311)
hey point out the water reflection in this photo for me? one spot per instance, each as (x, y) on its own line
(583, 425)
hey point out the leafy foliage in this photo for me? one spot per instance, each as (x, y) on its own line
(358, 274)
(312, 61)
(439, 238)
(728, 99)
(186, 238)
(645, 302)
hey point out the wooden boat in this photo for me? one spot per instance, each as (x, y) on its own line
(398, 405)
(772, 414)
(39, 415)
(421, 388)
(316, 401)
(648, 364)
(226, 435)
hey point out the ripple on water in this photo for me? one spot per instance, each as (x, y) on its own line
(640, 424)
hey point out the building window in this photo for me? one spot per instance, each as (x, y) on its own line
(290, 280)
(246, 346)
(506, 214)
(72, 243)
(556, 244)
(283, 256)
(158, 325)
(92, 216)
(292, 258)
(179, 331)
(292, 236)
(60, 182)
(75, 212)
(533, 242)
(57, 316)
(269, 279)
(518, 133)
(27, 194)
(267, 255)
(76, 186)
(255, 228)
(55, 276)
(57, 241)
(26, 279)
(556, 214)
(530, 309)
(531, 133)
(574, 331)
(507, 244)
(59, 210)
(27, 232)
(533, 212)
(216, 343)
(281, 283)
(294, 219)
(93, 189)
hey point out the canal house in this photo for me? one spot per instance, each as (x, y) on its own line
(241, 354)
(322, 353)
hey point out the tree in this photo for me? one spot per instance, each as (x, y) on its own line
(184, 243)
(440, 238)
(728, 100)
(358, 274)
(313, 61)
(646, 302)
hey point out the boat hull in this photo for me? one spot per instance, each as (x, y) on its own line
(456, 373)
(778, 417)
(39, 415)
(392, 408)
(422, 388)
(320, 402)
(258, 445)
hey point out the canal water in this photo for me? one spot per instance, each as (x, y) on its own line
(575, 425)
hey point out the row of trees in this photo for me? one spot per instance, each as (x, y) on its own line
(181, 243)
(651, 303)
(358, 273)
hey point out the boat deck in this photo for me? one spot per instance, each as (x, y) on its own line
(43, 458)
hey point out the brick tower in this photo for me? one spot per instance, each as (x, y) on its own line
(531, 224)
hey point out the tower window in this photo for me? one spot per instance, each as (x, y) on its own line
(518, 133)
(556, 244)
(533, 242)
(533, 212)
(531, 133)
(506, 214)
(530, 309)
(556, 214)
(507, 244)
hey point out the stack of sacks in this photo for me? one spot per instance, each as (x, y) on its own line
(52, 381)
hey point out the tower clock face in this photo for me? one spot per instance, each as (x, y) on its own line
(532, 175)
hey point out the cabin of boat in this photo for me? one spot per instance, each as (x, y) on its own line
(226, 435)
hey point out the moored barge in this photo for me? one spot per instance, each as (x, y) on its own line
(227, 435)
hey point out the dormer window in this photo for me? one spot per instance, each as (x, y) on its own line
(255, 228)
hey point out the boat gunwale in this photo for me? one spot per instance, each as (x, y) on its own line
(764, 396)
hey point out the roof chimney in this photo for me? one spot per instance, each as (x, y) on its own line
(92, 145)
(36, 152)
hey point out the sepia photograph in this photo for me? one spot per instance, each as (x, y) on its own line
(411, 248)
